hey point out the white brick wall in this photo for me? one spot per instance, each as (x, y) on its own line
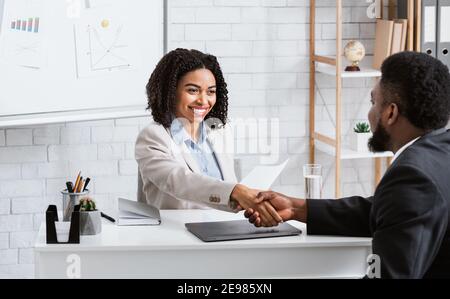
(4, 240)
(5, 206)
(11, 223)
(8, 256)
(9, 171)
(22, 239)
(19, 154)
(76, 135)
(26, 256)
(2, 138)
(263, 48)
(46, 135)
(19, 137)
(11, 188)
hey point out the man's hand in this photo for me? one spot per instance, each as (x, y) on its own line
(287, 207)
(246, 198)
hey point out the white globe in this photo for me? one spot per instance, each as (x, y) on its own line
(354, 51)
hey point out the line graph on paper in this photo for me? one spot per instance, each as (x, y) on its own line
(102, 47)
(106, 56)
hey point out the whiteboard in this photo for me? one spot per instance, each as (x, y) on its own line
(77, 56)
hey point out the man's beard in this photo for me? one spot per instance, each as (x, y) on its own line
(380, 141)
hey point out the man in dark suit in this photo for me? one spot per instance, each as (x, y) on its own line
(408, 216)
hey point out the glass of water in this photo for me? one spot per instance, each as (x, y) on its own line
(313, 181)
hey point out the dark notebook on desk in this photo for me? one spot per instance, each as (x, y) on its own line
(238, 230)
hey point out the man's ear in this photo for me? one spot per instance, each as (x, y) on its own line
(392, 114)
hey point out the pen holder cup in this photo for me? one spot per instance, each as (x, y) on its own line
(70, 200)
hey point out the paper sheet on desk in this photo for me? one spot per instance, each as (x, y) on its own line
(263, 177)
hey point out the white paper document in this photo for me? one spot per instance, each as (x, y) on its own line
(263, 177)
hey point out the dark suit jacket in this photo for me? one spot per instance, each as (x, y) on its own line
(407, 217)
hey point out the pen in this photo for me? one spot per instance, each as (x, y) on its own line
(107, 217)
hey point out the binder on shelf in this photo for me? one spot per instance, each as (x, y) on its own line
(402, 9)
(397, 33)
(383, 42)
(408, 9)
(404, 24)
(418, 26)
(429, 27)
(443, 32)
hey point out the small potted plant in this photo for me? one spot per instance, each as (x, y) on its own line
(90, 217)
(361, 136)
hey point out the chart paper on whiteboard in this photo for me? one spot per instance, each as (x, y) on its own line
(21, 38)
(103, 46)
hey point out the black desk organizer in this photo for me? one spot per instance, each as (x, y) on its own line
(51, 215)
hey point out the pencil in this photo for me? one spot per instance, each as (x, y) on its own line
(79, 184)
(77, 181)
(80, 189)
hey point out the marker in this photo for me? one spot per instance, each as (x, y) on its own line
(69, 187)
(86, 183)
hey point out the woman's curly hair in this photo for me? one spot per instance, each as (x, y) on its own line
(161, 88)
(420, 86)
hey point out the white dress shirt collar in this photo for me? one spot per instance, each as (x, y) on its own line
(403, 148)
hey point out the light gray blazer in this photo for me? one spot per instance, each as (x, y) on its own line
(170, 178)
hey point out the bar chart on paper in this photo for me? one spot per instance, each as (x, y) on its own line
(21, 37)
(28, 25)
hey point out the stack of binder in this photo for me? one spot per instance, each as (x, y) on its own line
(435, 37)
(390, 39)
(428, 30)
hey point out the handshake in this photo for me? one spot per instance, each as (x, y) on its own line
(267, 208)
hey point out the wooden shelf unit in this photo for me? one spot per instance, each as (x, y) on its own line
(333, 66)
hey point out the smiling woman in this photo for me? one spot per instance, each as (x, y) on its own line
(196, 97)
(183, 156)
(171, 78)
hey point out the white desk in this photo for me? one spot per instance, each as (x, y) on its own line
(170, 251)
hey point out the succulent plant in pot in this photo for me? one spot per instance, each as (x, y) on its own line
(362, 127)
(90, 217)
(87, 204)
(361, 136)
